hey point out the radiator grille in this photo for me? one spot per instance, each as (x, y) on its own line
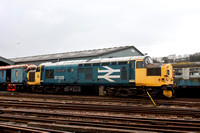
(153, 71)
(32, 77)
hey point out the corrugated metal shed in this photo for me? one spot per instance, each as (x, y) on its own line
(95, 53)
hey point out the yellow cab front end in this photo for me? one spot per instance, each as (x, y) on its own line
(34, 76)
(150, 75)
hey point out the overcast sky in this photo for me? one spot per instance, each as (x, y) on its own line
(156, 27)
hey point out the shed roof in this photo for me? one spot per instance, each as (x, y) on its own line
(6, 61)
(71, 55)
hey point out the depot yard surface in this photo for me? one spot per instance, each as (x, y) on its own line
(59, 113)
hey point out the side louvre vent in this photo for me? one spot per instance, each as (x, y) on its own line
(88, 76)
(32, 77)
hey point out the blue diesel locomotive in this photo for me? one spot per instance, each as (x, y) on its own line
(109, 76)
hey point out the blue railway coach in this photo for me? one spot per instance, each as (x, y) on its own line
(14, 76)
(187, 74)
(187, 78)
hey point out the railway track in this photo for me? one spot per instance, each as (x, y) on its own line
(182, 102)
(181, 112)
(13, 128)
(61, 115)
(110, 122)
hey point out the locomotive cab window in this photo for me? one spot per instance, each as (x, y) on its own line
(139, 64)
(38, 69)
(148, 61)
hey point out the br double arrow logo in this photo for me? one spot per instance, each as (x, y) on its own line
(108, 72)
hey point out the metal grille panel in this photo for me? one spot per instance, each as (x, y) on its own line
(32, 77)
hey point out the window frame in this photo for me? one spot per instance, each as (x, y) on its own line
(140, 66)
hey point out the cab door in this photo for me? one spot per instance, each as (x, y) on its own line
(132, 72)
(140, 73)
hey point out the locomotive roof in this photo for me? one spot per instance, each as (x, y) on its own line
(99, 60)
